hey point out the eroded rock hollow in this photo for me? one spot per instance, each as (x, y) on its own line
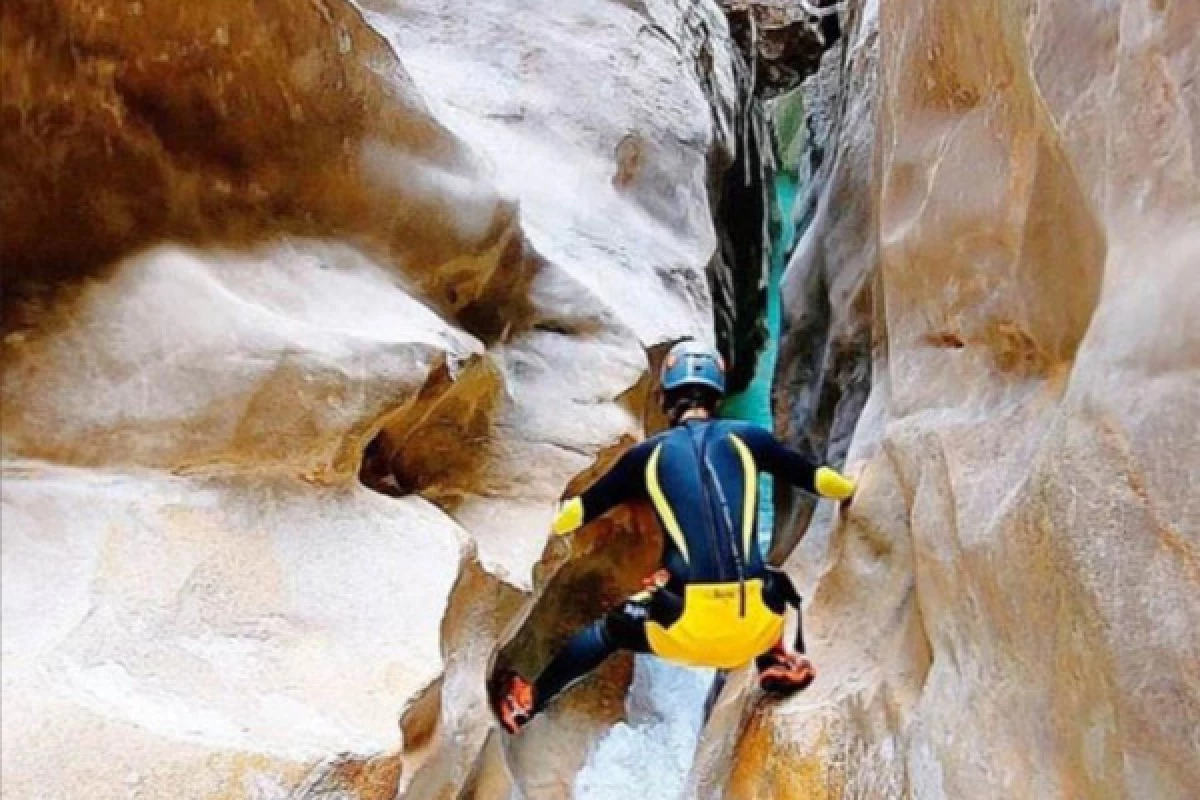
(312, 310)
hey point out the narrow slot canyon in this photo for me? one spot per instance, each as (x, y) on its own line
(311, 313)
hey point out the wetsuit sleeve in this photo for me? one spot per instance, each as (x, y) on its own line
(625, 481)
(788, 465)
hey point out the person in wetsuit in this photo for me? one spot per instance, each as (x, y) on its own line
(715, 602)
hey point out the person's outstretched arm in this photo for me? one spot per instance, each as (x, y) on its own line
(786, 464)
(623, 482)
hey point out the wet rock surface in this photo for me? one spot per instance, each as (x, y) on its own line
(1007, 232)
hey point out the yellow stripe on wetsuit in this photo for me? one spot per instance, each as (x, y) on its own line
(662, 506)
(750, 493)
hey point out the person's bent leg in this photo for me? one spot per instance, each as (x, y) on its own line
(621, 629)
(585, 651)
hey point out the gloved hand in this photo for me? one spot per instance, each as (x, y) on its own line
(568, 516)
(833, 484)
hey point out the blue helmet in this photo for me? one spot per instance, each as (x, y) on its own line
(691, 363)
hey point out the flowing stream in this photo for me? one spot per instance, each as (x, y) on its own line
(649, 754)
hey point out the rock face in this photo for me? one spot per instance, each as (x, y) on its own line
(242, 247)
(130, 123)
(311, 311)
(1008, 230)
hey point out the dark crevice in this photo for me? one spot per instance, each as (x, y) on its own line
(947, 339)
(738, 271)
(437, 444)
(777, 47)
(554, 326)
(824, 370)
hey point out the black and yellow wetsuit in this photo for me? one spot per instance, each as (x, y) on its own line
(722, 606)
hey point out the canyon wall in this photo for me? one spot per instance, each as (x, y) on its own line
(997, 298)
(311, 312)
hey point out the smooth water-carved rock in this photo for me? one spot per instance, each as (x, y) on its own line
(280, 359)
(1010, 609)
(204, 635)
(243, 246)
(197, 595)
(211, 123)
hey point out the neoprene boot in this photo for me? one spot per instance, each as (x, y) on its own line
(513, 701)
(783, 672)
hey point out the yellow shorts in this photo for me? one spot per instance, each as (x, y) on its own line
(713, 632)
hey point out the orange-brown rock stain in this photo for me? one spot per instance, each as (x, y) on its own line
(766, 767)
(226, 124)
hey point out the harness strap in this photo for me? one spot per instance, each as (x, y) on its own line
(781, 582)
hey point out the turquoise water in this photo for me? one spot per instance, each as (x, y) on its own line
(754, 402)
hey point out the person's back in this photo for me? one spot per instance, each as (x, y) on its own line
(703, 482)
(701, 479)
(716, 603)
